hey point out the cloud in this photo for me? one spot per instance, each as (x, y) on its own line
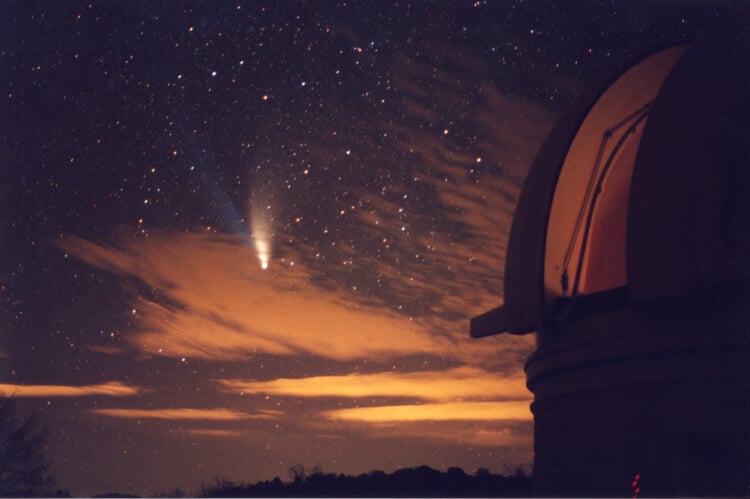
(449, 411)
(476, 433)
(432, 220)
(220, 414)
(105, 349)
(465, 405)
(111, 389)
(454, 384)
(217, 432)
(468, 197)
(216, 302)
(483, 435)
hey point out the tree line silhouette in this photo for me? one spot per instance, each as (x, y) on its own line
(421, 481)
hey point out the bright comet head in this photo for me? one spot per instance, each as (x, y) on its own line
(263, 249)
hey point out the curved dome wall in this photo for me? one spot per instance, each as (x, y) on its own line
(689, 228)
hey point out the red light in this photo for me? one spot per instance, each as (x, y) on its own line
(634, 485)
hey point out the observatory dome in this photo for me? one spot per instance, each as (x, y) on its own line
(629, 256)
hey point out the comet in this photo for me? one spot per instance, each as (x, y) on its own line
(260, 223)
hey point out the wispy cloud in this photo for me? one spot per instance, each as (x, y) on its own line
(513, 435)
(219, 414)
(218, 303)
(105, 349)
(111, 389)
(449, 411)
(217, 432)
(454, 384)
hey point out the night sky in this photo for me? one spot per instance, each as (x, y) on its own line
(156, 157)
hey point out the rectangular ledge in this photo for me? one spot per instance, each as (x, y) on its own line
(496, 321)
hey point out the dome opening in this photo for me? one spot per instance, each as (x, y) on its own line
(585, 248)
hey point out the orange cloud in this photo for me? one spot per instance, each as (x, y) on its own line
(229, 308)
(454, 384)
(450, 411)
(111, 389)
(216, 432)
(184, 414)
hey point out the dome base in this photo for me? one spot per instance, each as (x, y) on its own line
(659, 391)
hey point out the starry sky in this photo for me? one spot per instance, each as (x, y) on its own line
(238, 236)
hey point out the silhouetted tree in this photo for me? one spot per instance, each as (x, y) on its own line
(298, 473)
(24, 470)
